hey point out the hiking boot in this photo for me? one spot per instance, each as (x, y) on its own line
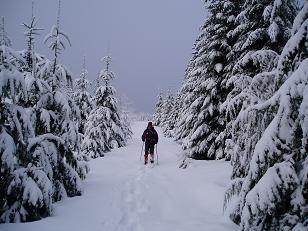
(145, 162)
(152, 161)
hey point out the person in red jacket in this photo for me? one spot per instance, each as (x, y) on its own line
(150, 137)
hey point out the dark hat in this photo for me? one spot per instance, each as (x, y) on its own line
(150, 124)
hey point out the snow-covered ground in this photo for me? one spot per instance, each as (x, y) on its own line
(121, 194)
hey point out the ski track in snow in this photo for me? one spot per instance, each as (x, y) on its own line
(121, 194)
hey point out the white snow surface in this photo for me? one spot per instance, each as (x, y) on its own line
(121, 194)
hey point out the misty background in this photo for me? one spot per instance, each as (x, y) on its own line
(150, 41)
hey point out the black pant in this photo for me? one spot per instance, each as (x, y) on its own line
(149, 148)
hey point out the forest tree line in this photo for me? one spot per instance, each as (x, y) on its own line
(50, 124)
(244, 99)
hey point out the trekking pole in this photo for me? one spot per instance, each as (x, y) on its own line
(141, 151)
(156, 154)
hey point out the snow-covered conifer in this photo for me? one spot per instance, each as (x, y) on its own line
(55, 121)
(54, 38)
(126, 124)
(104, 129)
(60, 116)
(158, 110)
(82, 97)
(125, 116)
(166, 112)
(38, 134)
(31, 31)
(170, 125)
(205, 84)
(183, 126)
(263, 27)
(4, 37)
(273, 187)
(253, 79)
(25, 187)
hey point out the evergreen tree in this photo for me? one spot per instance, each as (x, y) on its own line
(254, 80)
(126, 124)
(57, 117)
(272, 188)
(158, 110)
(38, 135)
(60, 117)
(125, 117)
(25, 187)
(56, 44)
(166, 112)
(110, 103)
(186, 94)
(104, 129)
(263, 27)
(170, 126)
(82, 97)
(4, 37)
(210, 70)
(31, 31)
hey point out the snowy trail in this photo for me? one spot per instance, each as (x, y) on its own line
(121, 194)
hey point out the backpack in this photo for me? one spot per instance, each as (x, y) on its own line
(151, 136)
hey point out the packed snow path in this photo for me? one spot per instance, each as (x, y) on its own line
(121, 194)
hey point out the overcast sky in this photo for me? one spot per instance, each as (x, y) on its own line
(150, 41)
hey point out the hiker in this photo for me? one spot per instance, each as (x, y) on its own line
(150, 137)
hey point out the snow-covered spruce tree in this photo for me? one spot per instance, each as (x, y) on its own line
(9, 58)
(56, 124)
(82, 97)
(158, 110)
(169, 126)
(110, 103)
(4, 37)
(212, 63)
(186, 94)
(273, 193)
(104, 129)
(60, 116)
(253, 80)
(126, 124)
(96, 132)
(125, 117)
(31, 31)
(25, 189)
(84, 101)
(263, 27)
(168, 105)
(44, 165)
(56, 44)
